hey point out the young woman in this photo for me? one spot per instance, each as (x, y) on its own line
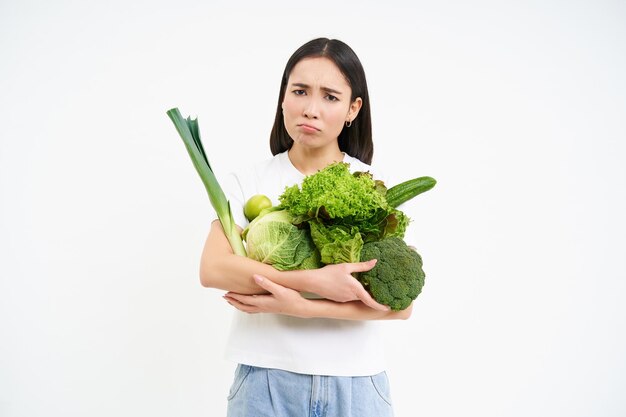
(302, 356)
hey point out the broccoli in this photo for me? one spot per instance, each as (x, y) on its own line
(398, 278)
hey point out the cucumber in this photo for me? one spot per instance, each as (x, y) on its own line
(403, 192)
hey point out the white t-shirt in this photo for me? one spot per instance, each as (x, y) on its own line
(316, 346)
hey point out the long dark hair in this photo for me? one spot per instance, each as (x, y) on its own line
(355, 140)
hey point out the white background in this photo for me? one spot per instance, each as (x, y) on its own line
(518, 109)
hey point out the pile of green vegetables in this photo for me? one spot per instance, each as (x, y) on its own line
(334, 216)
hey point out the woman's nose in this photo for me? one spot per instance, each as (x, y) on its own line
(310, 110)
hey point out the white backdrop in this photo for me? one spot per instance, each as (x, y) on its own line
(516, 108)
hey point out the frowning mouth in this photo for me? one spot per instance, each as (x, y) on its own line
(308, 128)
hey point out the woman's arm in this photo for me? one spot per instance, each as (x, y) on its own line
(221, 268)
(283, 300)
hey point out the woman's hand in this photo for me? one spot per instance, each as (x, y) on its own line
(280, 300)
(335, 282)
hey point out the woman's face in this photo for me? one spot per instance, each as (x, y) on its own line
(317, 103)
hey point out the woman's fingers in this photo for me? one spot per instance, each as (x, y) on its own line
(367, 299)
(363, 266)
(280, 300)
(266, 284)
(246, 308)
(254, 303)
(361, 292)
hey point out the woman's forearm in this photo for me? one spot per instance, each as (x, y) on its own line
(353, 310)
(234, 273)
(221, 268)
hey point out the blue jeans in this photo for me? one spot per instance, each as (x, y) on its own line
(262, 392)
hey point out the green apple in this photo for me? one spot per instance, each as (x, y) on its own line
(255, 204)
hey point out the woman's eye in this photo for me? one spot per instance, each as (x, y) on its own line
(299, 92)
(330, 97)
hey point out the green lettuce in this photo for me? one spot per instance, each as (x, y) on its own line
(337, 244)
(343, 211)
(335, 193)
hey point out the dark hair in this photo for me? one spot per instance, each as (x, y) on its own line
(356, 140)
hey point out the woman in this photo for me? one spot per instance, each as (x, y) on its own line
(304, 356)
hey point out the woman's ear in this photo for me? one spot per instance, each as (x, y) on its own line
(353, 112)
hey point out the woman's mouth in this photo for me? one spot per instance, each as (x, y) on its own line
(308, 128)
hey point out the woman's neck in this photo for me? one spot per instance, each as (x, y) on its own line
(309, 161)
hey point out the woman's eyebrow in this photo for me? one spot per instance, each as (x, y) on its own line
(327, 89)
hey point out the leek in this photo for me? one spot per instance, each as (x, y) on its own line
(190, 133)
